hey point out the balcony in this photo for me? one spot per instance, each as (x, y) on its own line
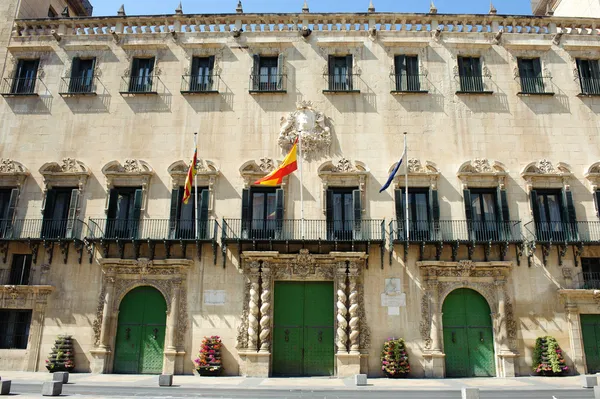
(22, 87)
(462, 231)
(541, 86)
(409, 84)
(589, 86)
(268, 83)
(560, 232)
(151, 229)
(83, 86)
(473, 85)
(40, 229)
(200, 84)
(140, 85)
(342, 83)
(586, 281)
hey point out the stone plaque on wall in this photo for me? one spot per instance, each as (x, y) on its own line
(214, 297)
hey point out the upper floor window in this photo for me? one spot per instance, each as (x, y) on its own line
(589, 76)
(470, 74)
(14, 328)
(59, 213)
(590, 268)
(530, 74)
(183, 216)
(82, 75)
(8, 204)
(25, 77)
(423, 209)
(20, 270)
(340, 74)
(344, 211)
(486, 210)
(262, 213)
(201, 77)
(52, 13)
(142, 78)
(267, 74)
(406, 68)
(124, 212)
(554, 215)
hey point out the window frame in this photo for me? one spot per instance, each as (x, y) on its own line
(25, 273)
(9, 316)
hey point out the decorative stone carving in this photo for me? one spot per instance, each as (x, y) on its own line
(253, 313)
(8, 166)
(465, 268)
(419, 174)
(344, 166)
(207, 174)
(266, 165)
(543, 172)
(481, 172)
(342, 323)
(414, 166)
(254, 170)
(311, 125)
(133, 172)
(70, 172)
(354, 320)
(425, 324)
(592, 174)
(97, 324)
(304, 264)
(343, 173)
(364, 338)
(265, 311)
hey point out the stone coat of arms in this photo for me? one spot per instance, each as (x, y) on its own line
(310, 123)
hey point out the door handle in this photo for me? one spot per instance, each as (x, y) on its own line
(320, 336)
(453, 337)
(127, 334)
(155, 331)
(481, 336)
(287, 336)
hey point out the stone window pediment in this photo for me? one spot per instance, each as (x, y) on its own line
(70, 173)
(592, 174)
(207, 173)
(343, 173)
(481, 172)
(543, 174)
(132, 173)
(12, 173)
(419, 175)
(253, 170)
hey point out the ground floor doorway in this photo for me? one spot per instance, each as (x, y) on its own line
(590, 329)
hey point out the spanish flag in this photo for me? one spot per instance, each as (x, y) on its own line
(288, 166)
(190, 177)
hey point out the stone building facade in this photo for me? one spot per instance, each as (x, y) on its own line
(97, 125)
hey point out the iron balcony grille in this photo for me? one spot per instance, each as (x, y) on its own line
(407, 83)
(572, 232)
(152, 229)
(456, 230)
(191, 84)
(472, 84)
(590, 86)
(52, 229)
(293, 229)
(536, 85)
(268, 83)
(148, 84)
(342, 83)
(586, 281)
(21, 87)
(78, 86)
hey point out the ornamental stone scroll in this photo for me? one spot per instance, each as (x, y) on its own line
(133, 172)
(207, 174)
(343, 173)
(546, 174)
(419, 174)
(69, 172)
(12, 173)
(481, 172)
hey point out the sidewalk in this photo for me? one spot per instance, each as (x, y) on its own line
(320, 383)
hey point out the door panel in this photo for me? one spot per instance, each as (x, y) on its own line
(151, 356)
(590, 329)
(127, 346)
(288, 331)
(481, 352)
(456, 348)
(318, 328)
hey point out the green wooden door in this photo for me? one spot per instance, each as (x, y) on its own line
(303, 336)
(590, 328)
(141, 332)
(468, 335)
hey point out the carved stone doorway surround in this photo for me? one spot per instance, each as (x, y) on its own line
(490, 279)
(262, 268)
(121, 276)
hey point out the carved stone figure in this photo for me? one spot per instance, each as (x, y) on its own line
(310, 123)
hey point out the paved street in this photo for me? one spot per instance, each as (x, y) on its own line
(28, 385)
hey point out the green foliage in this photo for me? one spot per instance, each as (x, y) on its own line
(62, 357)
(548, 357)
(394, 358)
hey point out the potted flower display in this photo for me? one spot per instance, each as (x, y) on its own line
(548, 359)
(394, 359)
(62, 357)
(208, 362)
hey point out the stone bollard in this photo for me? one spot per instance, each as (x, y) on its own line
(5, 387)
(597, 392)
(589, 381)
(360, 380)
(61, 376)
(165, 380)
(52, 388)
(470, 393)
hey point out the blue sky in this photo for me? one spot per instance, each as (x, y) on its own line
(143, 7)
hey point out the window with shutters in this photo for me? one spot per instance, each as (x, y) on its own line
(343, 213)
(81, 80)
(142, 79)
(420, 213)
(530, 76)
(60, 213)
(590, 268)
(483, 222)
(268, 74)
(24, 79)
(14, 328)
(52, 13)
(124, 212)
(183, 216)
(8, 203)
(201, 78)
(20, 270)
(406, 74)
(340, 76)
(470, 75)
(554, 215)
(589, 76)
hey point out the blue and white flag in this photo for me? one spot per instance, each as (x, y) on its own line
(393, 174)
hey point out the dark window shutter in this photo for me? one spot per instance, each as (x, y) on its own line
(535, 207)
(75, 68)
(399, 200)
(329, 213)
(349, 68)
(279, 211)
(151, 62)
(174, 213)
(468, 209)
(211, 63)
(570, 207)
(71, 231)
(522, 70)
(434, 213)
(137, 204)
(505, 209)
(255, 72)
(203, 219)
(537, 67)
(400, 67)
(356, 200)
(462, 67)
(112, 203)
(571, 218)
(331, 71)
(195, 66)
(499, 207)
(245, 212)
(20, 270)
(135, 68)
(597, 201)
(280, 66)
(12, 205)
(93, 66)
(50, 202)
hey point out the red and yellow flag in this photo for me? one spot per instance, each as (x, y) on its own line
(190, 178)
(289, 165)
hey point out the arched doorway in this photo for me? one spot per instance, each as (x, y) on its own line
(140, 338)
(468, 335)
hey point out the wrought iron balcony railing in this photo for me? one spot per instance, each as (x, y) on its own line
(405, 83)
(152, 229)
(12, 87)
(78, 86)
(559, 232)
(456, 230)
(536, 85)
(44, 229)
(590, 86)
(303, 230)
(268, 83)
(148, 84)
(473, 85)
(586, 281)
(342, 83)
(200, 84)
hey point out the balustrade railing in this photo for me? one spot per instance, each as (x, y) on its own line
(303, 230)
(405, 83)
(268, 83)
(152, 229)
(456, 230)
(148, 84)
(586, 281)
(51, 229)
(590, 85)
(472, 84)
(81, 85)
(22, 87)
(342, 83)
(536, 85)
(576, 232)
(191, 84)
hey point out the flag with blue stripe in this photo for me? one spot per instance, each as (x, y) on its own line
(393, 174)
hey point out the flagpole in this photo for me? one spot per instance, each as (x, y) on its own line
(301, 185)
(196, 185)
(406, 187)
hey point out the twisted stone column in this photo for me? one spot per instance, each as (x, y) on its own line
(354, 321)
(265, 311)
(253, 313)
(342, 311)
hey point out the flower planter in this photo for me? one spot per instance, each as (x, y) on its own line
(62, 357)
(394, 359)
(208, 362)
(396, 375)
(548, 358)
(206, 372)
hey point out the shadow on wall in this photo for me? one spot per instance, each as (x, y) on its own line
(447, 195)
(82, 362)
(38, 105)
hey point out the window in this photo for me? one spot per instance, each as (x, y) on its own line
(52, 13)
(14, 328)
(183, 216)
(423, 213)
(60, 212)
(469, 72)
(407, 73)
(262, 213)
(141, 80)
(201, 78)
(267, 73)
(82, 75)
(8, 203)
(20, 270)
(344, 211)
(25, 77)
(591, 273)
(530, 73)
(340, 73)
(124, 211)
(589, 76)
(554, 215)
